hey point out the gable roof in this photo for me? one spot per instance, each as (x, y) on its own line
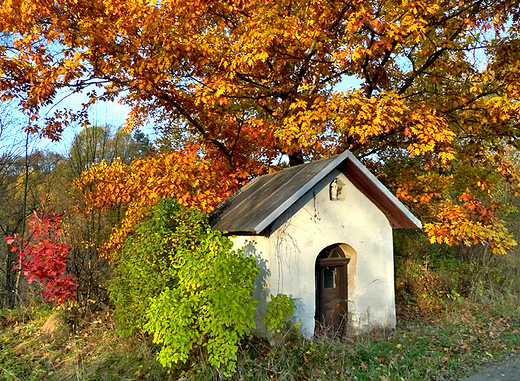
(256, 205)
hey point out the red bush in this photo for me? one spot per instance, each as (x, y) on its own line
(43, 257)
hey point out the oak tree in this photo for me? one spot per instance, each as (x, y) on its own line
(250, 81)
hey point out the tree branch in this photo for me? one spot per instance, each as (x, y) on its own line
(200, 129)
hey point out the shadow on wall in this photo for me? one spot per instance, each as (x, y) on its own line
(261, 291)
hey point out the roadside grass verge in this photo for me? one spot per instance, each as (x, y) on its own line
(454, 343)
(54, 345)
(473, 321)
(466, 335)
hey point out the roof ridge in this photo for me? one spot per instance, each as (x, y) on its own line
(254, 207)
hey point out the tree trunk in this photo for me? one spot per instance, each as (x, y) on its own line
(296, 158)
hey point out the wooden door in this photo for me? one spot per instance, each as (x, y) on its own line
(332, 290)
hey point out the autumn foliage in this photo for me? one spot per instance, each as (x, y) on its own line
(424, 92)
(470, 223)
(140, 185)
(43, 258)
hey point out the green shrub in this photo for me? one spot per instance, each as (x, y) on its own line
(279, 309)
(180, 281)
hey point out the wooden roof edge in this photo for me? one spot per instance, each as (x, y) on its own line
(400, 212)
(398, 215)
(297, 195)
(224, 206)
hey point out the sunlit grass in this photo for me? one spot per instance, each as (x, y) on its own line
(452, 337)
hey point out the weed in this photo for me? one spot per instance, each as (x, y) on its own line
(463, 337)
(474, 323)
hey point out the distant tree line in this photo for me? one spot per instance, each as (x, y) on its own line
(41, 180)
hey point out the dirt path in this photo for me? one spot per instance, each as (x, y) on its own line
(509, 370)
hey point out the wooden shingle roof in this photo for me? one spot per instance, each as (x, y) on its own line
(254, 207)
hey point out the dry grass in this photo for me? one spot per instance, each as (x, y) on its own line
(55, 346)
(449, 345)
(447, 335)
(466, 335)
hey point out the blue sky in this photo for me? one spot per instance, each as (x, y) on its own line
(103, 114)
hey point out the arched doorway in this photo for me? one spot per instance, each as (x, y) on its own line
(331, 289)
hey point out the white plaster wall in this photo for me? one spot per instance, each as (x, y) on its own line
(260, 248)
(288, 256)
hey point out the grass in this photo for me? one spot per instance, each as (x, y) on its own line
(34, 349)
(449, 346)
(440, 336)
(40, 344)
